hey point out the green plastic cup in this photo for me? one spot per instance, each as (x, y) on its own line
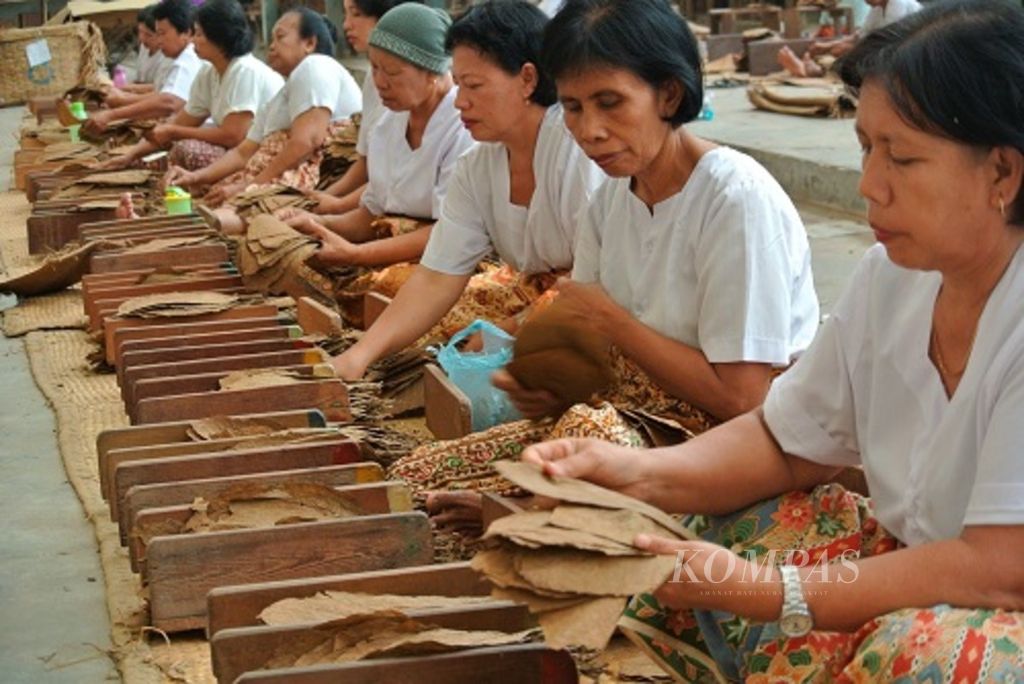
(78, 111)
(73, 132)
(177, 201)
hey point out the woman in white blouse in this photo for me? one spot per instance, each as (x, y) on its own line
(361, 17)
(230, 88)
(284, 140)
(520, 193)
(918, 377)
(690, 259)
(412, 148)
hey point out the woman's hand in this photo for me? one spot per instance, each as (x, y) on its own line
(334, 249)
(161, 135)
(531, 403)
(180, 177)
(117, 163)
(591, 304)
(711, 577)
(295, 217)
(603, 463)
(218, 196)
(326, 203)
(98, 121)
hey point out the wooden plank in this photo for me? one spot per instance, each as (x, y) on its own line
(49, 232)
(149, 234)
(125, 277)
(374, 304)
(315, 318)
(177, 433)
(108, 308)
(245, 649)
(291, 357)
(128, 474)
(206, 382)
(150, 356)
(520, 664)
(368, 499)
(112, 325)
(171, 329)
(143, 221)
(494, 506)
(105, 262)
(240, 606)
(449, 413)
(121, 294)
(92, 231)
(164, 494)
(329, 396)
(182, 569)
(763, 55)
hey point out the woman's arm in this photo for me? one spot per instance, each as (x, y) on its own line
(230, 133)
(234, 160)
(307, 133)
(153, 106)
(392, 250)
(723, 390)
(424, 299)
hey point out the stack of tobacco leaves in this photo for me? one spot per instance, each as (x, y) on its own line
(108, 182)
(269, 377)
(79, 152)
(120, 132)
(224, 427)
(382, 634)
(575, 565)
(325, 606)
(255, 505)
(175, 304)
(268, 198)
(160, 244)
(48, 132)
(272, 258)
(339, 152)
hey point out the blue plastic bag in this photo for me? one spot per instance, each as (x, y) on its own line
(471, 372)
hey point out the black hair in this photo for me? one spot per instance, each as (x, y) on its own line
(954, 69)
(145, 16)
(510, 33)
(377, 8)
(178, 13)
(645, 37)
(225, 25)
(315, 25)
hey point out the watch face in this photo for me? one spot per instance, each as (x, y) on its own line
(795, 624)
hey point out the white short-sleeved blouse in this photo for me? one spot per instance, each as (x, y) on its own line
(247, 85)
(318, 81)
(867, 393)
(413, 182)
(478, 217)
(723, 266)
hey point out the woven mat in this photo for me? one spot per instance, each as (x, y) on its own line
(60, 311)
(85, 404)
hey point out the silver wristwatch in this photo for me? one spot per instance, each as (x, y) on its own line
(796, 619)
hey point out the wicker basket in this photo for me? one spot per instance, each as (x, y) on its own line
(77, 55)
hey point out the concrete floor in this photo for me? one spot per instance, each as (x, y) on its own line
(53, 616)
(53, 620)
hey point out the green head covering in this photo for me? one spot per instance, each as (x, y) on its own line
(416, 34)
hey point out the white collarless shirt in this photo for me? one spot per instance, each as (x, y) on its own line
(479, 218)
(177, 79)
(413, 182)
(318, 81)
(866, 393)
(247, 85)
(723, 265)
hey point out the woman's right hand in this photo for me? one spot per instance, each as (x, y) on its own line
(295, 217)
(180, 177)
(117, 163)
(530, 403)
(603, 463)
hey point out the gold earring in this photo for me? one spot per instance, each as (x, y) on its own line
(1002, 207)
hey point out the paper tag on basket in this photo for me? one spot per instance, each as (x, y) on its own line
(38, 52)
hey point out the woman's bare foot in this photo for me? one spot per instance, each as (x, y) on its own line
(791, 63)
(126, 207)
(458, 511)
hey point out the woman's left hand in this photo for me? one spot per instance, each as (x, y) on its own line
(97, 121)
(219, 196)
(711, 577)
(161, 135)
(334, 249)
(530, 403)
(589, 302)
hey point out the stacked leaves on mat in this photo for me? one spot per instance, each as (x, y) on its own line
(272, 259)
(575, 565)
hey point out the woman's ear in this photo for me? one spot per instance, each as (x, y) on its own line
(670, 97)
(1008, 173)
(529, 78)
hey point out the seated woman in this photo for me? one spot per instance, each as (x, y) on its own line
(520, 193)
(691, 259)
(173, 20)
(361, 16)
(150, 63)
(283, 143)
(918, 377)
(227, 93)
(412, 149)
